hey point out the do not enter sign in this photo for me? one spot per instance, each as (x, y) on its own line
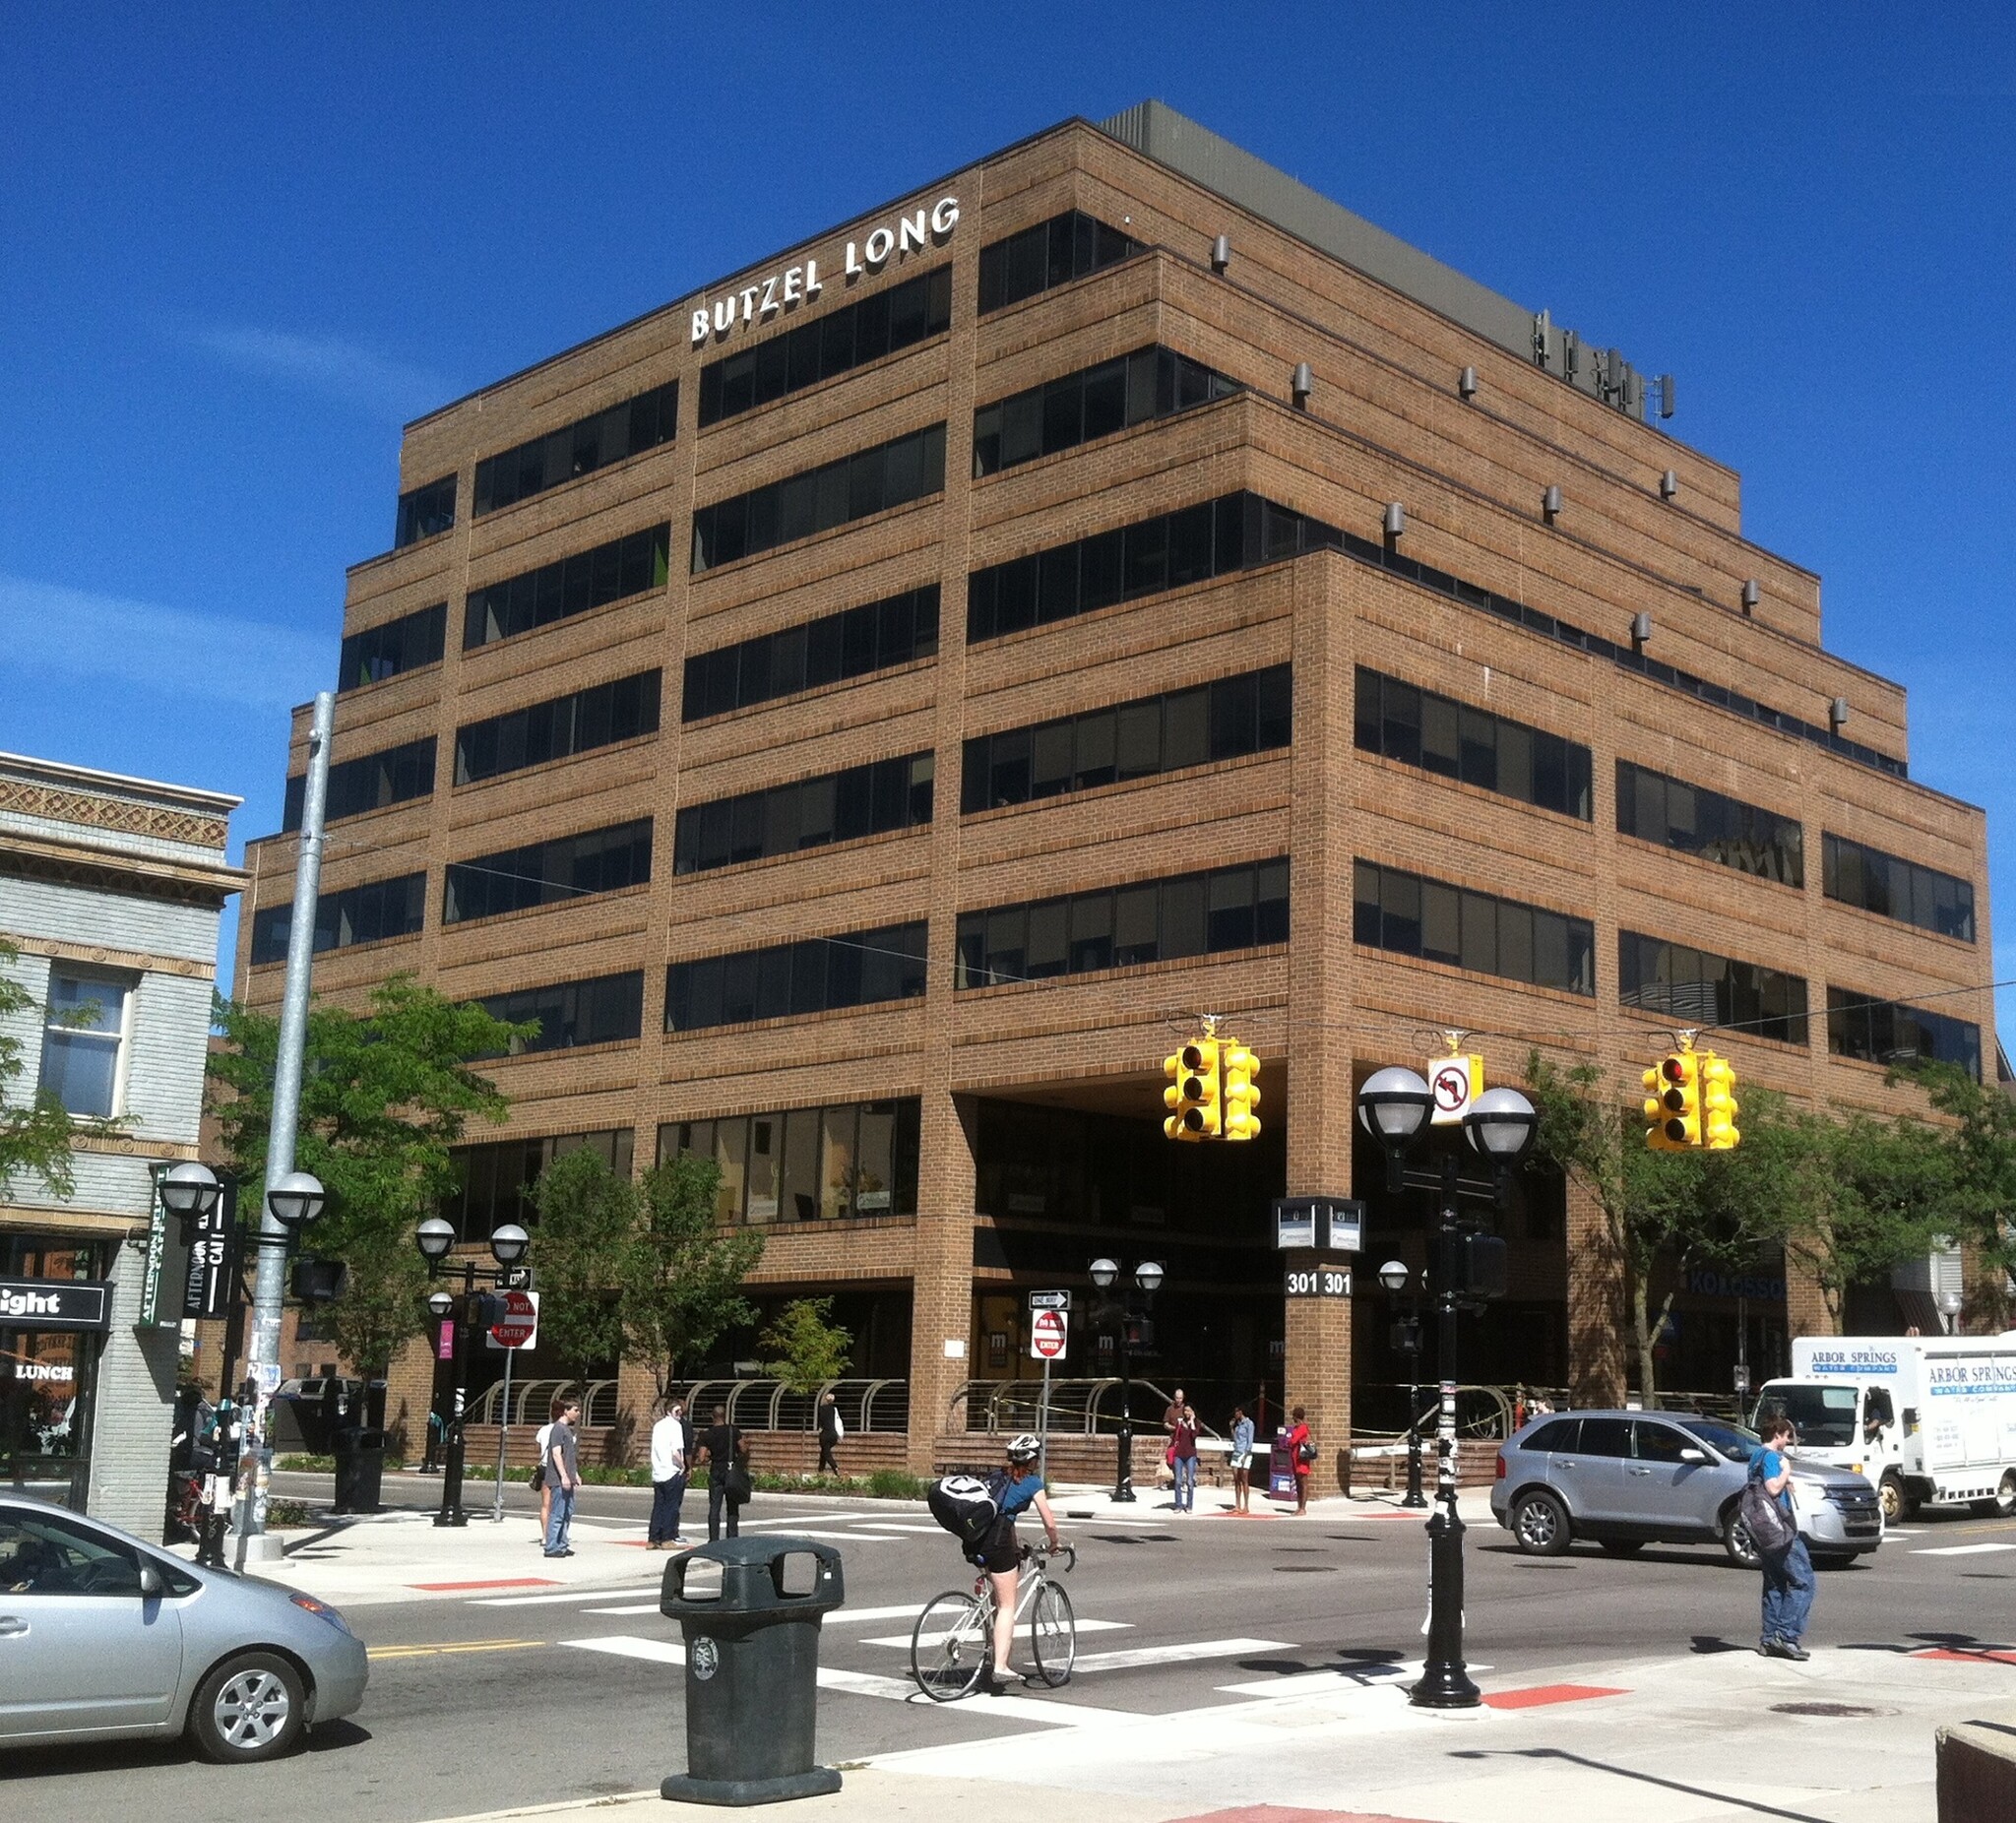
(1046, 1334)
(520, 1327)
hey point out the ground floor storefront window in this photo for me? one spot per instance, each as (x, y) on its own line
(52, 1301)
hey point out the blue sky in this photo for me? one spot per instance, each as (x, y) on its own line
(239, 247)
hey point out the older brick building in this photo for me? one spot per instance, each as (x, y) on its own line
(914, 677)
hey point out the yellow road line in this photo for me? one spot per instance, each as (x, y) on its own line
(427, 1652)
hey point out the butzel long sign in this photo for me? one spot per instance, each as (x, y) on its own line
(794, 286)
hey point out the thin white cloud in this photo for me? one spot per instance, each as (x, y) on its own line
(49, 633)
(329, 366)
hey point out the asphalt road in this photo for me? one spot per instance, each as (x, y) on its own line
(480, 1703)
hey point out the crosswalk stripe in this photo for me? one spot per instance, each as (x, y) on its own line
(890, 1525)
(1959, 1550)
(629, 1646)
(1175, 1654)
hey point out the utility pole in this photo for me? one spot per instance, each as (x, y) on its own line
(262, 1342)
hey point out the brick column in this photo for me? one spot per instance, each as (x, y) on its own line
(1806, 1307)
(410, 1396)
(942, 1283)
(1317, 1106)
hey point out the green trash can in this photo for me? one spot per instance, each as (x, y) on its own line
(752, 1669)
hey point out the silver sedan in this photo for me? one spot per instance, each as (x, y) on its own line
(104, 1636)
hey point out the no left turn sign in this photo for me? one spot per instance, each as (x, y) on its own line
(1047, 1336)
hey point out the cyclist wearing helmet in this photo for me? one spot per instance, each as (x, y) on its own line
(1015, 1490)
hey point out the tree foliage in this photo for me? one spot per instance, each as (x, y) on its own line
(1980, 1207)
(385, 1094)
(641, 1269)
(803, 1347)
(683, 1275)
(34, 1135)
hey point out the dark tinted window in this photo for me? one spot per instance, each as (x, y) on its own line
(1696, 988)
(815, 975)
(1053, 252)
(807, 1163)
(425, 512)
(1443, 735)
(836, 342)
(1893, 887)
(365, 914)
(807, 813)
(595, 442)
(1150, 383)
(599, 860)
(597, 717)
(589, 579)
(1605, 1437)
(1217, 721)
(1561, 1434)
(369, 783)
(1657, 808)
(402, 645)
(1148, 920)
(570, 1013)
(1417, 917)
(853, 643)
(1232, 532)
(1888, 1032)
(1662, 1442)
(893, 474)
(494, 1181)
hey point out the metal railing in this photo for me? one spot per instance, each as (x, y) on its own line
(866, 1406)
(1087, 1408)
(532, 1402)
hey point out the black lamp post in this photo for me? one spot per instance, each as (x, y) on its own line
(1394, 1108)
(1147, 1276)
(435, 1237)
(1407, 1336)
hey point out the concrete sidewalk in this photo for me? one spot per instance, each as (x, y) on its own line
(1845, 1738)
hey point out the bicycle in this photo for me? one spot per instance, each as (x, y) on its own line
(952, 1644)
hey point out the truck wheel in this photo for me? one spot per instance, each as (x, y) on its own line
(2005, 1495)
(1897, 1501)
(1541, 1525)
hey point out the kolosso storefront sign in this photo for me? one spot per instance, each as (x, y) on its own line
(792, 285)
(54, 1303)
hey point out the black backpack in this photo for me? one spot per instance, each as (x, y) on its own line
(966, 1506)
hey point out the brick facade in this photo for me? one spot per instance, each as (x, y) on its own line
(1385, 422)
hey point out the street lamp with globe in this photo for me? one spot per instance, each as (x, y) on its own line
(1407, 1338)
(473, 1312)
(1105, 1275)
(1394, 1108)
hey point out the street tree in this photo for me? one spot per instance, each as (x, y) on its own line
(682, 1273)
(803, 1347)
(36, 1134)
(386, 1093)
(1978, 1139)
(1663, 1209)
(588, 1219)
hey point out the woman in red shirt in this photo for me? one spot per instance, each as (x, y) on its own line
(1302, 1452)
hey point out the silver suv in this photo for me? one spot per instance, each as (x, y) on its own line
(1625, 1479)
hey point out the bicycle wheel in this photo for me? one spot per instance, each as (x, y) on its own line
(949, 1647)
(1053, 1635)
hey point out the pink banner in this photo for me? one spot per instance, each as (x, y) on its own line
(444, 1347)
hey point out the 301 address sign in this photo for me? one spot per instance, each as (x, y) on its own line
(1318, 1282)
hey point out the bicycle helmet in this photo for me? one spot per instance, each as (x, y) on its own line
(1025, 1448)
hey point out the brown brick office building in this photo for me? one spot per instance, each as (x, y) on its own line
(865, 708)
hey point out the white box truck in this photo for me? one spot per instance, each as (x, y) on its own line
(1926, 1418)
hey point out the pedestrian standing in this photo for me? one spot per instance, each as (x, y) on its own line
(1788, 1570)
(831, 1430)
(1183, 1457)
(563, 1477)
(668, 1475)
(542, 1482)
(1301, 1449)
(1242, 1461)
(721, 1448)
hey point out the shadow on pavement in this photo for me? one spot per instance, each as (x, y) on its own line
(1625, 1772)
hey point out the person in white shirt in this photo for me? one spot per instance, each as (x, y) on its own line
(668, 1475)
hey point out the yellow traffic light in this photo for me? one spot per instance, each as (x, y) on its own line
(1679, 1100)
(1655, 1109)
(1240, 1094)
(1719, 1107)
(1192, 1096)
